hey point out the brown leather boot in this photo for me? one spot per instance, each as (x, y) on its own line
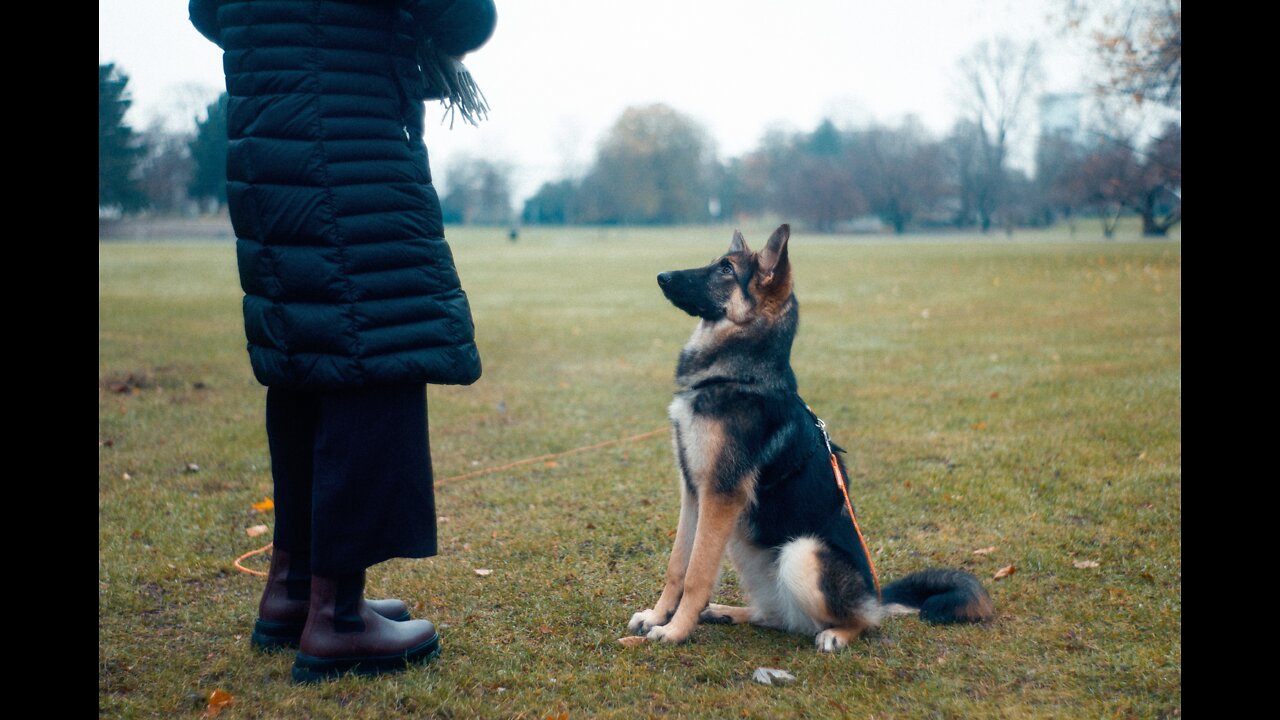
(282, 611)
(344, 634)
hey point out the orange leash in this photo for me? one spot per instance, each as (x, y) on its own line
(553, 456)
(478, 473)
(835, 467)
(844, 490)
(250, 554)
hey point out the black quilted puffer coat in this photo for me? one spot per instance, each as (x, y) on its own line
(347, 277)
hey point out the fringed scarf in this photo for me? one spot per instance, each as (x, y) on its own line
(448, 80)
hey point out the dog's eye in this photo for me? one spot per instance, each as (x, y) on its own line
(726, 268)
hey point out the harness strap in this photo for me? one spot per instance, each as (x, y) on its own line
(844, 490)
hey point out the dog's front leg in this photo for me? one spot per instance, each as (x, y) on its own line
(717, 515)
(645, 620)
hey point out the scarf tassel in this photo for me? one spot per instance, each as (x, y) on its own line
(448, 80)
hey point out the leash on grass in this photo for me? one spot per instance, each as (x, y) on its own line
(553, 456)
(489, 471)
(252, 553)
(844, 490)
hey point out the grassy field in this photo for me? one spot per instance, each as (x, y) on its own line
(1023, 395)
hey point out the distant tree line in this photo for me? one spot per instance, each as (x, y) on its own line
(896, 176)
(157, 169)
(1111, 176)
(656, 165)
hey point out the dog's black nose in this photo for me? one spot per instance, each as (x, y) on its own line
(663, 279)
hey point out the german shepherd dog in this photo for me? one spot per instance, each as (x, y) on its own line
(758, 478)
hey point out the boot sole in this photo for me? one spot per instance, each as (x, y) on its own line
(269, 636)
(310, 669)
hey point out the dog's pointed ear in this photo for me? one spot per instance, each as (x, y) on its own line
(739, 244)
(773, 258)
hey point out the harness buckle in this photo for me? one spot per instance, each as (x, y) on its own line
(826, 438)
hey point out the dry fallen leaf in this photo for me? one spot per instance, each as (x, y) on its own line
(985, 550)
(267, 505)
(551, 463)
(772, 676)
(631, 640)
(979, 426)
(218, 699)
(1082, 564)
(1004, 572)
(255, 531)
(484, 572)
(192, 467)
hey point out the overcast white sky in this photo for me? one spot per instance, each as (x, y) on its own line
(557, 73)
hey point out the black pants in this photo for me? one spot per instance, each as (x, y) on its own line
(352, 473)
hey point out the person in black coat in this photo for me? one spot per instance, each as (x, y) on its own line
(352, 302)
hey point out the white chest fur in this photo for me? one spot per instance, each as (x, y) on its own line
(700, 438)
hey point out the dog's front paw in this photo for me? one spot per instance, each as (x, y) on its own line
(644, 621)
(830, 641)
(668, 634)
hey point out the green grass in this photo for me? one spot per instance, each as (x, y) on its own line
(1021, 395)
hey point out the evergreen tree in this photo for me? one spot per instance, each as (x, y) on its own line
(118, 147)
(209, 152)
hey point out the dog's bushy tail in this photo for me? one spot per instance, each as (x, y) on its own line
(941, 596)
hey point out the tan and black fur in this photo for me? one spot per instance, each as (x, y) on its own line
(756, 477)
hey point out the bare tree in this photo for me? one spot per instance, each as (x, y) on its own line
(653, 166)
(166, 168)
(479, 192)
(1059, 165)
(1138, 42)
(1000, 78)
(1116, 176)
(812, 179)
(900, 171)
(1160, 204)
(1107, 180)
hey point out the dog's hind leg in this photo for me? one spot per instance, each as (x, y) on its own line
(836, 638)
(645, 620)
(822, 594)
(725, 615)
(717, 516)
